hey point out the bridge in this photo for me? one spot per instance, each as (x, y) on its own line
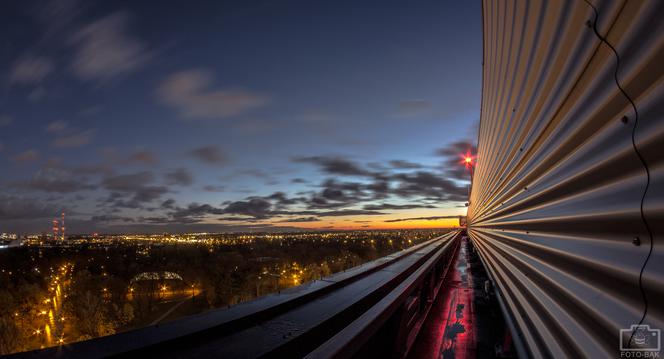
(565, 218)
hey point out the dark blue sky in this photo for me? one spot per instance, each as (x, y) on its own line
(219, 115)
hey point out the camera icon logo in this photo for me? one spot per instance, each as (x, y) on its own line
(643, 339)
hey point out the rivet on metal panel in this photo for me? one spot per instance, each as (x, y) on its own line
(624, 119)
(636, 241)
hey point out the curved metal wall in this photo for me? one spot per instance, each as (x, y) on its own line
(554, 208)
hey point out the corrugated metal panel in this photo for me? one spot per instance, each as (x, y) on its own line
(555, 200)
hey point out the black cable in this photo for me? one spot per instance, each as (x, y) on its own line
(643, 162)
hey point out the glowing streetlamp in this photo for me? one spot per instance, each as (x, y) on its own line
(468, 160)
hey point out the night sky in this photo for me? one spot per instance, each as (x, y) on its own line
(190, 116)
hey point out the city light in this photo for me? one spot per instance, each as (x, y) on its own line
(267, 270)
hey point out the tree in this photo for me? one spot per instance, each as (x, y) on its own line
(10, 335)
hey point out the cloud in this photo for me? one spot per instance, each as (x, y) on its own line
(26, 156)
(29, 70)
(434, 218)
(128, 182)
(401, 164)
(452, 155)
(56, 180)
(300, 220)
(258, 208)
(56, 126)
(74, 139)
(105, 50)
(281, 199)
(384, 206)
(334, 165)
(22, 208)
(209, 154)
(180, 177)
(6, 120)
(427, 184)
(213, 188)
(410, 108)
(194, 212)
(137, 186)
(143, 157)
(456, 149)
(112, 218)
(349, 212)
(192, 94)
(169, 203)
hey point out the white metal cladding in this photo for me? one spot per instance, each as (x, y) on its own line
(555, 200)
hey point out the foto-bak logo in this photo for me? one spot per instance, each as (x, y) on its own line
(640, 341)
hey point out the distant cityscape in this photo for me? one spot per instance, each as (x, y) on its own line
(62, 289)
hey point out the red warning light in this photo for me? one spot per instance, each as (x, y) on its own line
(468, 160)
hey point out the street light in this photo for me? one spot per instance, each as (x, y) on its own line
(468, 160)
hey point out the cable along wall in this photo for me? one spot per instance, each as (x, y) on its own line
(556, 196)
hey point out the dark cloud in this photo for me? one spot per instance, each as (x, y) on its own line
(334, 194)
(282, 200)
(434, 218)
(334, 165)
(180, 177)
(380, 188)
(112, 218)
(155, 225)
(427, 184)
(348, 212)
(56, 180)
(384, 206)
(149, 193)
(24, 208)
(457, 149)
(298, 180)
(300, 220)
(209, 154)
(169, 204)
(138, 186)
(194, 212)
(255, 207)
(401, 164)
(452, 156)
(129, 182)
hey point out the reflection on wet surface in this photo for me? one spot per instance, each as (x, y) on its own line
(465, 321)
(457, 341)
